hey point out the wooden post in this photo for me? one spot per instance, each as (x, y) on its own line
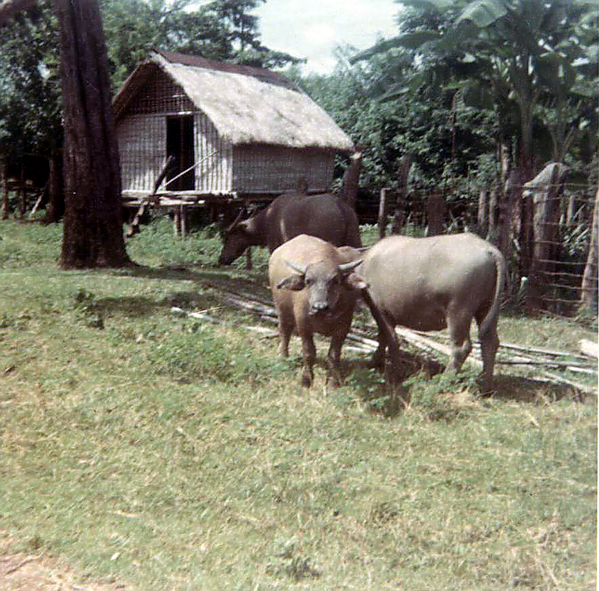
(22, 192)
(351, 179)
(571, 210)
(183, 221)
(545, 202)
(588, 295)
(483, 212)
(55, 189)
(402, 194)
(493, 213)
(383, 212)
(436, 214)
(5, 203)
(176, 221)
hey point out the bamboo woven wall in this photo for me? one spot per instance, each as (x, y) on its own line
(160, 95)
(214, 154)
(142, 147)
(265, 169)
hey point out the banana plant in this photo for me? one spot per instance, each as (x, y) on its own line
(534, 55)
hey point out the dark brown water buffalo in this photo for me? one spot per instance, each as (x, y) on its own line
(325, 216)
(436, 283)
(314, 288)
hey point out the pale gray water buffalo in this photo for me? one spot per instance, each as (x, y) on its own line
(436, 283)
(324, 215)
(314, 288)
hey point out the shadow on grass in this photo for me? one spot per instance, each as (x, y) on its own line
(425, 385)
(533, 391)
(199, 298)
(229, 278)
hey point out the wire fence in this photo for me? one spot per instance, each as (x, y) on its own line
(545, 234)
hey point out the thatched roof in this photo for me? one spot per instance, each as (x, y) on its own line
(246, 105)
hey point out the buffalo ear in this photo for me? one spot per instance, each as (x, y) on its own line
(293, 282)
(354, 281)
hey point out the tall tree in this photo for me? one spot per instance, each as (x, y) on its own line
(93, 228)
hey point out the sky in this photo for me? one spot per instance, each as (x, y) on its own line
(312, 29)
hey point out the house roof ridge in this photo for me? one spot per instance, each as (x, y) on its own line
(262, 74)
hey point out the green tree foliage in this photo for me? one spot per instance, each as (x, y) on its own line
(29, 85)
(438, 129)
(531, 61)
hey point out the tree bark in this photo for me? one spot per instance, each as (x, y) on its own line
(93, 233)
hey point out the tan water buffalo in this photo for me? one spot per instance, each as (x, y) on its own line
(436, 283)
(324, 215)
(314, 288)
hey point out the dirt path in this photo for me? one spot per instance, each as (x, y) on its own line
(38, 572)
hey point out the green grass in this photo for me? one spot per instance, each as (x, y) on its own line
(170, 453)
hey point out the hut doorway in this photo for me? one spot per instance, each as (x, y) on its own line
(179, 146)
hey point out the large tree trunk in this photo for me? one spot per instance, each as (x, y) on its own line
(93, 233)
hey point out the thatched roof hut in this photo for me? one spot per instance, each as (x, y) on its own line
(237, 131)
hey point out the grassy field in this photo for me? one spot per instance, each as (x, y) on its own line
(169, 453)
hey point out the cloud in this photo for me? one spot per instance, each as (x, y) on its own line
(312, 29)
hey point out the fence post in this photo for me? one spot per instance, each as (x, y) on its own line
(23, 192)
(483, 212)
(436, 214)
(5, 204)
(402, 194)
(383, 209)
(588, 289)
(545, 214)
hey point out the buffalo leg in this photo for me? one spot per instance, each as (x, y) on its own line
(309, 356)
(378, 357)
(459, 335)
(387, 339)
(285, 330)
(334, 357)
(489, 343)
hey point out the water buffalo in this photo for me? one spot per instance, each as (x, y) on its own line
(314, 288)
(324, 215)
(436, 283)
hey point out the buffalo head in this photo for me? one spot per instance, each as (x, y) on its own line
(325, 283)
(237, 238)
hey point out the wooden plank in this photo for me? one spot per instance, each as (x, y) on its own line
(589, 348)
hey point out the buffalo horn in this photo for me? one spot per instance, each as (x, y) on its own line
(237, 220)
(300, 270)
(347, 267)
